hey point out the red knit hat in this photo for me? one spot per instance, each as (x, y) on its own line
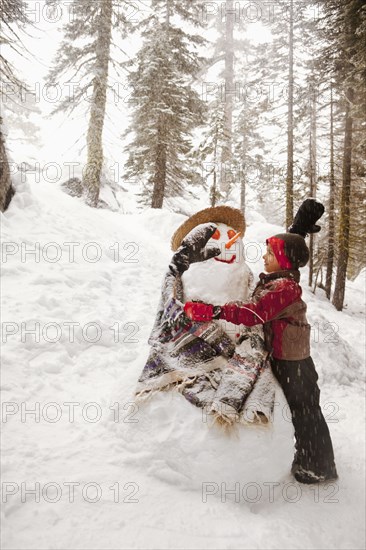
(290, 250)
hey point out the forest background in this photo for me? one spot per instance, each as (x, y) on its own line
(178, 104)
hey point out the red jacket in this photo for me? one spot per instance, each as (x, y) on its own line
(276, 303)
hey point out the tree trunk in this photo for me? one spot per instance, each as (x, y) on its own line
(313, 176)
(290, 127)
(93, 169)
(226, 157)
(213, 193)
(6, 188)
(344, 221)
(243, 176)
(159, 179)
(167, 13)
(330, 255)
(242, 194)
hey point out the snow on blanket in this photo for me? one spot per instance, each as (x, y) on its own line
(82, 467)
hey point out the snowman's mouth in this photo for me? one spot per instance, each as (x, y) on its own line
(227, 261)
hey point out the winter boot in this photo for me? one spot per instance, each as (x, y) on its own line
(308, 476)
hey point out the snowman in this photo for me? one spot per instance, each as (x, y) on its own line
(214, 364)
(224, 278)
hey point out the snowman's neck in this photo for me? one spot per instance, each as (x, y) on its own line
(216, 282)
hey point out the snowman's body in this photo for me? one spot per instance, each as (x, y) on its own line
(220, 280)
(233, 382)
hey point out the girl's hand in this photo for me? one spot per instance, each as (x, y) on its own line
(199, 311)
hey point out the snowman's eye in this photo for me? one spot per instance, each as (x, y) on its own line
(216, 235)
(231, 233)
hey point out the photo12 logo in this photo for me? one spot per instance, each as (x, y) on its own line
(68, 491)
(269, 491)
(244, 12)
(68, 411)
(70, 252)
(54, 11)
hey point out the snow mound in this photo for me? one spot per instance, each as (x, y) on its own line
(155, 476)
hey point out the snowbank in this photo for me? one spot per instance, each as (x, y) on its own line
(106, 474)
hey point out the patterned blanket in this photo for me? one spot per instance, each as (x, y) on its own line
(230, 380)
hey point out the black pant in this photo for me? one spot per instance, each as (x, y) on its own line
(298, 380)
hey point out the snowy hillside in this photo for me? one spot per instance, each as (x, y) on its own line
(83, 467)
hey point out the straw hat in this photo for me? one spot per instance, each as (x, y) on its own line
(219, 214)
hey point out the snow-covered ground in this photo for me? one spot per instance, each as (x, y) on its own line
(83, 467)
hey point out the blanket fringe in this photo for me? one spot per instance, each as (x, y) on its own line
(186, 382)
(225, 424)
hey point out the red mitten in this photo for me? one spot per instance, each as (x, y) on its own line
(199, 311)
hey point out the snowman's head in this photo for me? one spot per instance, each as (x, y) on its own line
(223, 278)
(225, 217)
(230, 243)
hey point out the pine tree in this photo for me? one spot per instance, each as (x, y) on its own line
(313, 176)
(282, 63)
(91, 181)
(166, 108)
(331, 205)
(12, 16)
(249, 147)
(230, 47)
(227, 151)
(344, 29)
(209, 152)
(6, 188)
(85, 53)
(290, 124)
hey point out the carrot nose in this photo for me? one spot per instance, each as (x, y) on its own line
(232, 240)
